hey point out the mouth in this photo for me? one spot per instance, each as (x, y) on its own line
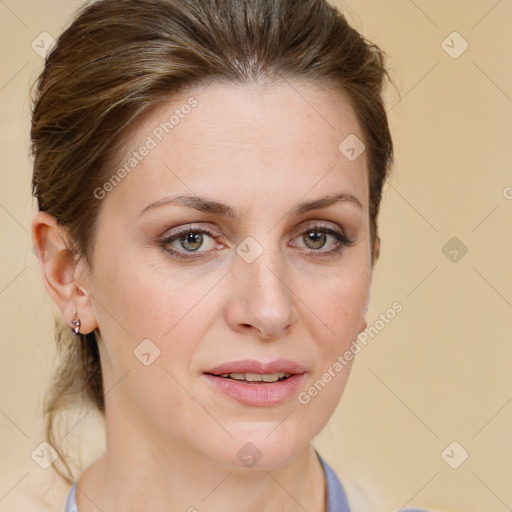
(257, 384)
(255, 378)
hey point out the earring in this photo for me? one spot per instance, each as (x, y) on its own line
(76, 320)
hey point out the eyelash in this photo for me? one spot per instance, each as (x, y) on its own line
(342, 241)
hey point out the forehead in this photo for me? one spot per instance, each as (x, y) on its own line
(250, 139)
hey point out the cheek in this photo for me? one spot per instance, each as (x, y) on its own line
(340, 303)
(151, 300)
(340, 307)
(152, 327)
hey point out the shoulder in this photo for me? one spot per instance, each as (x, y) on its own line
(39, 489)
(350, 497)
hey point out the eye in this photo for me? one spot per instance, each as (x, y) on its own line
(185, 243)
(190, 240)
(317, 237)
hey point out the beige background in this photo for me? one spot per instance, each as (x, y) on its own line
(441, 370)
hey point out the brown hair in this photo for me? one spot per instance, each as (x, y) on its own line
(119, 59)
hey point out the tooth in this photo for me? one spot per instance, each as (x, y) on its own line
(257, 377)
(237, 376)
(253, 377)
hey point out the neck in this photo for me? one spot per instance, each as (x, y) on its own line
(142, 471)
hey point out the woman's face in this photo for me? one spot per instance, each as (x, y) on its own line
(185, 290)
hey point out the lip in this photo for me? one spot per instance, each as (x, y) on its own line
(260, 394)
(253, 366)
(257, 394)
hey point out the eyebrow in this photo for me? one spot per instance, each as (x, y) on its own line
(208, 206)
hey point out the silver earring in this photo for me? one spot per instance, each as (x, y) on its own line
(76, 320)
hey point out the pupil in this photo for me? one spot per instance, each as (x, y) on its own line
(317, 237)
(191, 239)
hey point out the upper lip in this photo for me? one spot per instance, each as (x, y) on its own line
(253, 366)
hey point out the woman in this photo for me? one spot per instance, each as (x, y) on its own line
(208, 177)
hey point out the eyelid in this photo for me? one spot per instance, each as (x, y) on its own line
(338, 230)
(319, 224)
(214, 232)
(184, 228)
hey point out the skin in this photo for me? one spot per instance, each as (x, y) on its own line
(172, 440)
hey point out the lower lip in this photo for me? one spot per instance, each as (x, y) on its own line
(257, 394)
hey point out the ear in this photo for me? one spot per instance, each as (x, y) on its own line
(62, 273)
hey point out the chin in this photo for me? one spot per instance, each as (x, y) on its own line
(259, 448)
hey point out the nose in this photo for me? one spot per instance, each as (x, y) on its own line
(262, 302)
